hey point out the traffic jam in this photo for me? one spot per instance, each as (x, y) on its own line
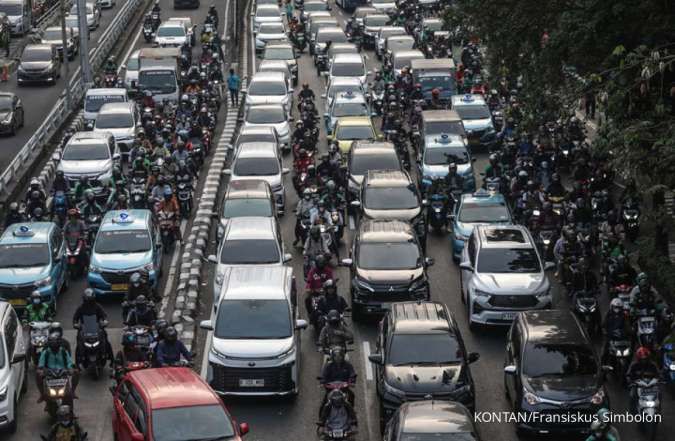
(390, 256)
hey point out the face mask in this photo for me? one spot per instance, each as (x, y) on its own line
(36, 301)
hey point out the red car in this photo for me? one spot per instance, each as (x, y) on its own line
(170, 404)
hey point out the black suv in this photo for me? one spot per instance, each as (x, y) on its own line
(386, 265)
(552, 369)
(421, 356)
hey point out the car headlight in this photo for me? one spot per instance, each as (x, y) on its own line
(288, 353)
(218, 354)
(361, 284)
(419, 283)
(598, 398)
(219, 278)
(92, 345)
(149, 266)
(531, 398)
(671, 367)
(3, 393)
(105, 176)
(44, 282)
(396, 393)
(479, 293)
(94, 268)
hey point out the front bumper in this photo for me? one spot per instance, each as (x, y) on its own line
(483, 312)
(235, 378)
(379, 301)
(25, 77)
(114, 282)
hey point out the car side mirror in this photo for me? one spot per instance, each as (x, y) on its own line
(212, 258)
(206, 325)
(466, 266)
(376, 359)
(346, 262)
(56, 156)
(243, 429)
(473, 357)
(124, 66)
(425, 202)
(18, 358)
(510, 369)
(227, 171)
(549, 266)
(607, 368)
(285, 171)
(326, 115)
(429, 261)
(300, 324)
(116, 157)
(288, 257)
(355, 203)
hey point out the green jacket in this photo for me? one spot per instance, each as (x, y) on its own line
(37, 313)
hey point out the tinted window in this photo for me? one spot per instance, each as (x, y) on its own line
(247, 207)
(388, 256)
(191, 423)
(500, 260)
(390, 198)
(423, 349)
(6, 103)
(441, 82)
(544, 360)
(266, 116)
(86, 152)
(267, 12)
(440, 127)
(376, 21)
(157, 81)
(256, 167)
(348, 69)
(279, 53)
(483, 213)
(267, 88)
(122, 241)
(36, 54)
(401, 62)
(12, 10)
(114, 121)
(445, 155)
(253, 319)
(171, 31)
(361, 164)
(334, 36)
(93, 103)
(24, 255)
(251, 251)
(132, 63)
(258, 137)
(355, 132)
(473, 112)
(271, 28)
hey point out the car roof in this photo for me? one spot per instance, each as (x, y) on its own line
(401, 38)
(345, 97)
(355, 121)
(392, 28)
(256, 130)
(267, 6)
(420, 317)
(84, 137)
(248, 189)
(330, 29)
(345, 81)
(134, 219)
(38, 46)
(279, 44)
(440, 115)
(173, 387)
(257, 150)
(407, 53)
(377, 16)
(343, 47)
(504, 236)
(434, 63)
(271, 65)
(256, 282)
(347, 58)
(267, 75)
(369, 147)
(483, 197)
(364, 9)
(444, 140)
(250, 227)
(385, 231)
(28, 232)
(468, 100)
(107, 91)
(553, 326)
(388, 178)
(431, 20)
(172, 23)
(126, 107)
(431, 416)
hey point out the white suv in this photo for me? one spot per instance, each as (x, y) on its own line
(12, 366)
(255, 346)
(90, 154)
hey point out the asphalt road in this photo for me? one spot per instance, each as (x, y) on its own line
(279, 420)
(38, 99)
(94, 406)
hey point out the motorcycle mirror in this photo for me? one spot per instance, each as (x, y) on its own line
(227, 172)
(56, 156)
(206, 325)
(510, 369)
(549, 266)
(376, 358)
(473, 357)
(117, 157)
(124, 66)
(607, 368)
(285, 171)
(474, 160)
(425, 202)
(300, 324)
(429, 261)
(323, 96)
(355, 203)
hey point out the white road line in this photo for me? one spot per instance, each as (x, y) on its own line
(352, 224)
(171, 277)
(368, 366)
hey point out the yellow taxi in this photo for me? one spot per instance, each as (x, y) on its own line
(353, 128)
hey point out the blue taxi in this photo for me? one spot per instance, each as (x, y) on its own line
(479, 208)
(32, 257)
(440, 150)
(127, 241)
(343, 105)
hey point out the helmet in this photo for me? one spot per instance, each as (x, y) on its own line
(338, 354)
(54, 341)
(452, 167)
(141, 302)
(555, 177)
(306, 193)
(642, 353)
(135, 279)
(36, 297)
(111, 58)
(320, 260)
(59, 173)
(305, 85)
(73, 212)
(161, 325)
(56, 328)
(37, 212)
(436, 93)
(642, 279)
(336, 398)
(128, 339)
(34, 183)
(616, 304)
(330, 185)
(522, 175)
(333, 317)
(14, 206)
(168, 193)
(315, 233)
(35, 194)
(329, 287)
(64, 416)
(170, 334)
(88, 296)
(621, 260)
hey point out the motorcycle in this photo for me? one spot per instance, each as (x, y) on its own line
(668, 358)
(57, 384)
(93, 222)
(586, 308)
(646, 327)
(144, 338)
(376, 100)
(91, 353)
(75, 250)
(337, 429)
(60, 207)
(39, 333)
(167, 226)
(630, 217)
(646, 401)
(438, 211)
(619, 353)
(148, 32)
(184, 193)
(546, 241)
(138, 193)
(110, 80)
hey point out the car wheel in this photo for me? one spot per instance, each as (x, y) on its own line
(473, 327)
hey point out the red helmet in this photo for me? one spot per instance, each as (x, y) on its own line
(435, 92)
(74, 212)
(642, 353)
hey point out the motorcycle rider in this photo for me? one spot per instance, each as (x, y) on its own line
(56, 328)
(181, 153)
(600, 432)
(77, 229)
(138, 286)
(331, 300)
(642, 367)
(335, 333)
(91, 207)
(14, 216)
(66, 427)
(643, 295)
(156, 8)
(584, 278)
(130, 353)
(170, 349)
(36, 311)
(555, 188)
(169, 205)
(54, 357)
(315, 245)
(110, 66)
(338, 369)
(60, 183)
(616, 326)
(621, 272)
(118, 177)
(142, 313)
(454, 183)
(304, 209)
(90, 307)
(35, 203)
(318, 274)
(320, 213)
(306, 93)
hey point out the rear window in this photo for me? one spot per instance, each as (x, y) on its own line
(500, 260)
(557, 360)
(86, 152)
(267, 12)
(348, 70)
(249, 251)
(440, 127)
(361, 164)
(483, 213)
(247, 207)
(334, 36)
(390, 198)
(389, 256)
(191, 423)
(266, 116)
(421, 349)
(267, 88)
(36, 54)
(256, 167)
(122, 242)
(93, 103)
(114, 121)
(24, 255)
(473, 112)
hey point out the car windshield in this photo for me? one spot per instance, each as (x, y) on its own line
(271, 28)
(132, 63)
(441, 82)
(278, 53)
(114, 121)
(445, 155)
(122, 242)
(93, 103)
(553, 360)
(257, 137)
(440, 127)
(401, 62)
(36, 54)
(438, 436)
(266, 116)
(348, 70)
(267, 88)
(11, 9)
(388, 256)
(350, 133)
(191, 423)
(24, 255)
(381, 2)
(473, 112)
(171, 31)
(334, 36)
(86, 152)
(433, 25)
(483, 213)
(390, 198)
(361, 164)
(257, 207)
(52, 34)
(410, 349)
(311, 7)
(350, 109)
(157, 81)
(253, 319)
(256, 167)
(249, 251)
(376, 21)
(267, 12)
(5, 102)
(504, 260)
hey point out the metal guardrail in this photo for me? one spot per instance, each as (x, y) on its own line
(60, 112)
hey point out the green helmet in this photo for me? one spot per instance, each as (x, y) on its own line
(642, 278)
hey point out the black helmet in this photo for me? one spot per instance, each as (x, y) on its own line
(170, 334)
(333, 317)
(59, 173)
(320, 261)
(555, 177)
(141, 302)
(56, 328)
(88, 296)
(64, 416)
(161, 325)
(329, 287)
(135, 279)
(54, 341)
(336, 398)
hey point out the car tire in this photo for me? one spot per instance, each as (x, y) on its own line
(473, 327)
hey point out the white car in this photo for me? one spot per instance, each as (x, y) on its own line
(106, 4)
(265, 14)
(348, 66)
(272, 115)
(13, 352)
(269, 32)
(89, 154)
(269, 88)
(131, 68)
(383, 33)
(121, 120)
(383, 6)
(277, 66)
(93, 15)
(73, 23)
(172, 33)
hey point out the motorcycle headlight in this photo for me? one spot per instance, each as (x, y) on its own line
(647, 403)
(598, 398)
(44, 282)
(531, 398)
(3, 393)
(361, 284)
(626, 353)
(397, 394)
(672, 366)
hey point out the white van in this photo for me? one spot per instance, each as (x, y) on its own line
(94, 99)
(20, 15)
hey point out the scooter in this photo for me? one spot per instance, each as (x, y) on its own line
(619, 352)
(138, 193)
(57, 390)
(587, 310)
(39, 333)
(75, 249)
(184, 193)
(148, 32)
(646, 401)
(91, 353)
(645, 328)
(438, 211)
(167, 226)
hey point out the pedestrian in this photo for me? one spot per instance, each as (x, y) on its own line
(233, 83)
(589, 98)
(289, 10)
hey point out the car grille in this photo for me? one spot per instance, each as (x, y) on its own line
(277, 379)
(390, 293)
(515, 301)
(16, 291)
(116, 277)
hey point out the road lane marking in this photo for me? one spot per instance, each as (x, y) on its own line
(368, 366)
(171, 276)
(352, 223)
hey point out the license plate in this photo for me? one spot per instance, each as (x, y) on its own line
(508, 316)
(119, 286)
(246, 382)
(17, 302)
